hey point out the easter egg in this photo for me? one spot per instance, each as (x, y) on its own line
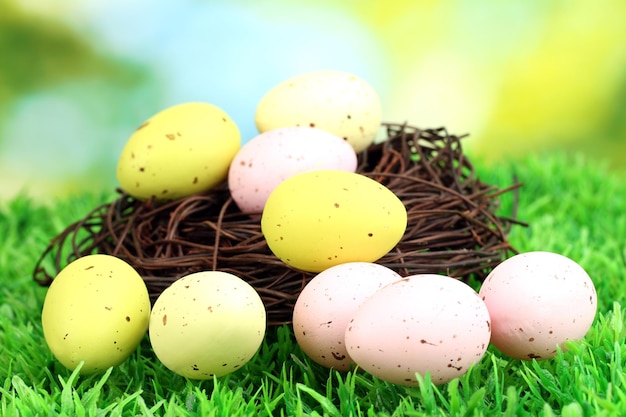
(538, 301)
(182, 150)
(417, 325)
(318, 219)
(326, 305)
(207, 324)
(337, 101)
(273, 156)
(96, 311)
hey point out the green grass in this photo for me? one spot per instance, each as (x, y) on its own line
(574, 207)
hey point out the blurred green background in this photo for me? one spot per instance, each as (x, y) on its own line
(77, 77)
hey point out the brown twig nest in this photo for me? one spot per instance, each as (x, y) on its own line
(452, 226)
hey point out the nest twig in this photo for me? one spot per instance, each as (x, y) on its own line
(452, 226)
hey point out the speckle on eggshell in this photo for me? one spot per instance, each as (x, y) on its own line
(335, 101)
(530, 298)
(325, 306)
(192, 132)
(273, 156)
(424, 323)
(216, 319)
(100, 289)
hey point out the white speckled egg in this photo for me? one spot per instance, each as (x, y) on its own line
(326, 305)
(273, 156)
(419, 324)
(207, 324)
(538, 301)
(337, 101)
(96, 311)
(182, 150)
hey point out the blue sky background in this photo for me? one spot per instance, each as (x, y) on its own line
(518, 76)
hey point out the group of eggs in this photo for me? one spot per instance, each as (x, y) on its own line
(317, 215)
(210, 323)
(97, 310)
(393, 327)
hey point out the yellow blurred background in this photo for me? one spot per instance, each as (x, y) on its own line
(77, 77)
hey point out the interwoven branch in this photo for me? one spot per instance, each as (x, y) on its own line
(452, 226)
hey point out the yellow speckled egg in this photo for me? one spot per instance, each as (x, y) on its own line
(183, 150)
(336, 101)
(318, 219)
(97, 311)
(207, 324)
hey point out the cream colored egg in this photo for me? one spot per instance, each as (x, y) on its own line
(337, 101)
(97, 311)
(319, 219)
(420, 324)
(326, 305)
(537, 302)
(207, 324)
(183, 150)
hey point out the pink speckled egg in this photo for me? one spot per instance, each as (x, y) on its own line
(420, 324)
(273, 156)
(537, 302)
(326, 305)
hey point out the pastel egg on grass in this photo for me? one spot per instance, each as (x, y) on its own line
(318, 219)
(417, 325)
(327, 303)
(273, 156)
(183, 150)
(337, 101)
(96, 311)
(207, 324)
(537, 302)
